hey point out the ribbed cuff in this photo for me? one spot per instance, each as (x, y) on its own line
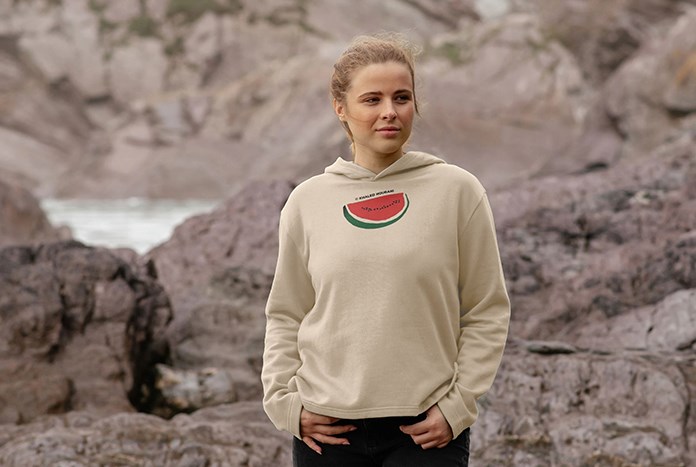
(294, 411)
(460, 414)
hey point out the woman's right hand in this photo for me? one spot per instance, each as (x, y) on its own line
(315, 427)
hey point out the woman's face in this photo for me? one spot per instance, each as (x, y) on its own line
(379, 109)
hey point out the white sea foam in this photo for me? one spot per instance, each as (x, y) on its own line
(135, 223)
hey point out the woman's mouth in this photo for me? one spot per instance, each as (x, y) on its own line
(389, 131)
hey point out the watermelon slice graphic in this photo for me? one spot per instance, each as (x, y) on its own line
(377, 212)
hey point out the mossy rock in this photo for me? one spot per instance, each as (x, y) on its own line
(191, 10)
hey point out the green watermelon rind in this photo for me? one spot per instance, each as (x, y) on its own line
(376, 225)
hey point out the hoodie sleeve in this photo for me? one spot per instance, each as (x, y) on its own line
(484, 318)
(291, 297)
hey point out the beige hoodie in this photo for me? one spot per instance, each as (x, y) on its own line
(388, 295)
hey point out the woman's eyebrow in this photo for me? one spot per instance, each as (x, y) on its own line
(380, 93)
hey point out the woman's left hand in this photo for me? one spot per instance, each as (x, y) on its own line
(433, 432)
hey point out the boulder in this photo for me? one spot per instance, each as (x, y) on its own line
(610, 254)
(619, 408)
(137, 71)
(217, 269)
(248, 112)
(602, 35)
(40, 124)
(599, 245)
(22, 221)
(62, 301)
(157, 9)
(203, 46)
(639, 57)
(138, 164)
(501, 98)
(226, 435)
(667, 326)
(650, 97)
(424, 18)
(31, 17)
(188, 391)
(71, 49)
(119, 12)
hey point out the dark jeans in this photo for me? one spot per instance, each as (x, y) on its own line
(378, 442)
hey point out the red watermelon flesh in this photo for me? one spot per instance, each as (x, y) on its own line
(380, 208)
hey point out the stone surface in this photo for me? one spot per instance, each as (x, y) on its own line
(600, 268)
(227, 435)
(605, 34)
(203, 46)
(502, 100)
(129, 79)
(188, 391)
(34, 109)
(22, 221)
(646, 98)
(118, 12)
(256, 64)
(599, 245)
(667, 326)
(217, 269)
(620, 408)
(62, 301)
(680, 62)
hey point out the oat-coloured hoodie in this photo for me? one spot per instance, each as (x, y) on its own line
(388, 295)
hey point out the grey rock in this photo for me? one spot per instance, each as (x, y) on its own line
(62, 301)
(137, 71)
(498, 88)
(583, 409)
(604, 35)
(157, 9)
(22, 221)
(227, 435)
(550, 347)
(35, 109)
(666, 326)
(640, 96)
(187, 391)
(599, 245)
(118, 12)
(217, 269)
(680, 94)
(203, 45)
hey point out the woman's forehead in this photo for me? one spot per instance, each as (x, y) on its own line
(382, 77)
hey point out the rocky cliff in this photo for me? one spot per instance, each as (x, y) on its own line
(176, 99)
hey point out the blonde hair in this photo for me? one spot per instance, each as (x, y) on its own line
(368, 50)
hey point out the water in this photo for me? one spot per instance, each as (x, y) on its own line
(134, 223)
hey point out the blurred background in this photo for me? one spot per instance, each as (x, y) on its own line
(121, 120)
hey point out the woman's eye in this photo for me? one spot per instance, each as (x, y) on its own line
(403, 98)
(372, 100)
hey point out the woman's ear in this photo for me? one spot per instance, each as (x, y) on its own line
(339, 109)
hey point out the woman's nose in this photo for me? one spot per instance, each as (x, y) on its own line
(389, 113)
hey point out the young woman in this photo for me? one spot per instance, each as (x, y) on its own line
(388, 313)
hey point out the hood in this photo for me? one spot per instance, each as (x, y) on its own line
(412, 160)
